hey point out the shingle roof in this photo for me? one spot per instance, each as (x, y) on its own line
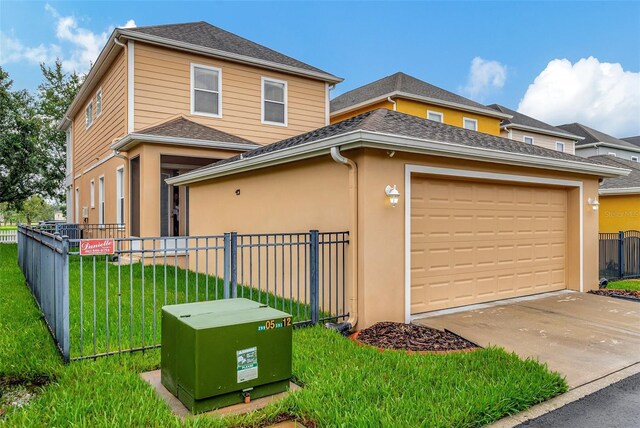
(385, 121)
(209, 36)
(400, 82)
(633, 140)
(593, 136)
(630, 181)
(181, 127)
(528, 121)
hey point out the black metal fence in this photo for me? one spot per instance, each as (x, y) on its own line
(620, 255)
(112, 302)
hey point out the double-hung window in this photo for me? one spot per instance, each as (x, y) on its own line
(101, 200)
(559, 146)
(206, 96)
(88, 115)
(470, 124)
(435, 116)
(274, 102)
(99, 102)
(92, 202)
(527, 140)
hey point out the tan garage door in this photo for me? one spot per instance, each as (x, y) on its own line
(474, 242)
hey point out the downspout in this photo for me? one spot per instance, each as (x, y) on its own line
(350, 324)
(392, 102)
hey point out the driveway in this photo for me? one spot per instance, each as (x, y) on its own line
(582, 336)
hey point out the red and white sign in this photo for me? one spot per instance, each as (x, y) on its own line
(97, 247)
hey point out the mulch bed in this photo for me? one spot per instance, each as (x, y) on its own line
(412, 337)
(623, 294)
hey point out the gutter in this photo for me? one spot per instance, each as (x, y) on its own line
(620, 191)
(353, 230)
(367, 139)
(605, 144)
(541, 131)
(131, 140)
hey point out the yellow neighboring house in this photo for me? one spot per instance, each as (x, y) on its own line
(619, 197)
(406, 94)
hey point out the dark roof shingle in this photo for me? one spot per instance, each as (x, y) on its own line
(181, 127)
(524, 120)
(630, 181)
(633, 140)
(593, 135)
(400, 82)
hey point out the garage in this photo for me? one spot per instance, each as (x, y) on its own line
(480, 241)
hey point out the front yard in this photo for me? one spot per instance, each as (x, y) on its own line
(343, 384)
(625, 284)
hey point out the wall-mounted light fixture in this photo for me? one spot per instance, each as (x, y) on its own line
(393, 194)
(594, 203)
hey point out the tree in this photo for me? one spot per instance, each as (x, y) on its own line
(35, 209)
(19, 131)
(55, 94)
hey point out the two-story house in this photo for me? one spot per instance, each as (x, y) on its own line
(163, 100)
(595, 143)
(406, 94)
(529, 130)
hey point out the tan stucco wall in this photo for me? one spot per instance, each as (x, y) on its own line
(312, 194)
(541, 140)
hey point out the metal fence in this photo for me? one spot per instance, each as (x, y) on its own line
(84, 230)
(113, 302)
(8, 236)
(619, 255)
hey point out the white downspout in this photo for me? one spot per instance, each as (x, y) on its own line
(353, 231)
(392, 102)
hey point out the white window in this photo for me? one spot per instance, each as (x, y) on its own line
(88, 115)
(206, 96)
(120, 195)
(559, 146)
(611, 154)
(93, 194)
(435, 116)
(527, 140)
(101, 200)
(274, 102)
(634, 158)
(99, 102)
(77, 203)
(470, 124)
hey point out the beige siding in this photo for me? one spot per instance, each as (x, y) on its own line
(541, 140)
(162, 90)
(92, 144)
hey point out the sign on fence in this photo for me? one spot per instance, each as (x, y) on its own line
(97, 247)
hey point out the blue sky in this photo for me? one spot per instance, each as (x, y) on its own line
(513, 43)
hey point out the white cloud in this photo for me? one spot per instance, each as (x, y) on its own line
(484, 76)
(598, 94)
(76, 46)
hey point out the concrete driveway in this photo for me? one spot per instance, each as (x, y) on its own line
(582, 336)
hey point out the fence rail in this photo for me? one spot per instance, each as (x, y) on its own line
(8, 236)
(619, 255)
(114, 301)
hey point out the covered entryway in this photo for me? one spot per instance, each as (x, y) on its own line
(475, 241)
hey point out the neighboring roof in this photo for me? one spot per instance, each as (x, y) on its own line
(629, 184)
(391, 130)
(182, 131)
(403, 85)
(593, 136)
(633, 140)
(522, 121)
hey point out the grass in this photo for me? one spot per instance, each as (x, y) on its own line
(8, 227)
(626, 284)
(343, 384)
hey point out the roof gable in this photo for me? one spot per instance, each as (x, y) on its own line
(594, 136)
(631, 181)
(180, 127)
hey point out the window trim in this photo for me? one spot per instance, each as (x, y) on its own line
(88, 121)
(524, 139)
(635, 159)
(120, 195)
(101, 203)
(193, 89)
(92, 193)
(286, 101)
(560, 144)
(464, 119)
(77, 203)
(612, 154)
(99, 91)
(438, 113)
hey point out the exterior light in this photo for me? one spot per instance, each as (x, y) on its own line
(393, 194)
(594, 203)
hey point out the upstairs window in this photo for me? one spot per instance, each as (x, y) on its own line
(92, 201)
(274, 102)
(205, 91)
(560, 146)
(99, 102)
(88, 115)
(435, 116)
(611, 154)
(470, 124)
(527, 140)
(634, 158)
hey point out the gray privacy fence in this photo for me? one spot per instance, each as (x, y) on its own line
(106, 304)
(619, 255)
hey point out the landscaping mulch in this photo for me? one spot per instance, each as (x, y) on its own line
(623, 294)
(412, 337)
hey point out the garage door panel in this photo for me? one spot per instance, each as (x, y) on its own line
(477, 242)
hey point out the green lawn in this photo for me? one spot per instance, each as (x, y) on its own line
(343, 384)
(626, 284)
(8, 227)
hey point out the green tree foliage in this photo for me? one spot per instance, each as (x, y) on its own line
(35, 209)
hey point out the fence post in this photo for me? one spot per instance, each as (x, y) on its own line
(620, 255)
(227, 265)
(65, 339)
(314, 277)
(234, 264)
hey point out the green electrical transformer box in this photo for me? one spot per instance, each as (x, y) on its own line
(218, 353)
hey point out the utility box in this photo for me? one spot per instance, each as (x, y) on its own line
(219, 353)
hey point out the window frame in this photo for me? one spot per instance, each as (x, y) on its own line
(193, 89)
(524, 139)
(263, 80)
(92, 193)
(77, 203)
(560, 144)
(101, 204)
(475, 121)
(88, 118)
(436, 113)
(99, 92)
(635, 159)
(612, 154)
(120, 200)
